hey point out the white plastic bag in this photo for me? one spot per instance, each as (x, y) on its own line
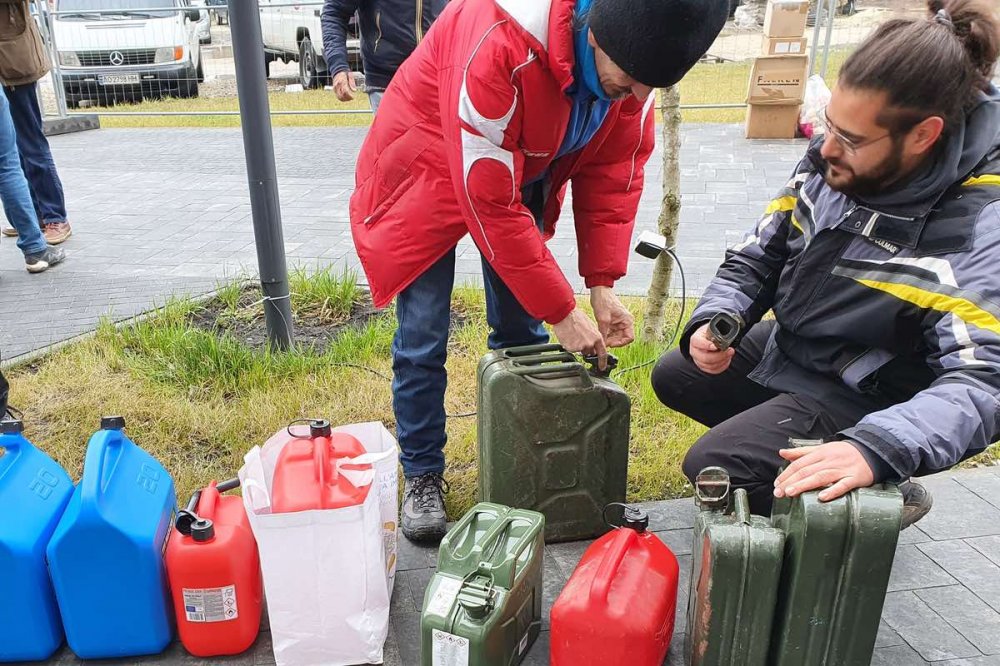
(328, 574)
(817, 97)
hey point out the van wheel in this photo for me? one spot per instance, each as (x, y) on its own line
(309, 74)
(850, 8)
(189, 86)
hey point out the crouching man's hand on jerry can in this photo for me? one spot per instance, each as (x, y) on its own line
(839, 467)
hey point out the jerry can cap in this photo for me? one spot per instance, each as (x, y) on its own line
(633, 517)
(11, 427)
(477, 596)
(112, 423)
(202, 530)
(320, 428)
(711, 489)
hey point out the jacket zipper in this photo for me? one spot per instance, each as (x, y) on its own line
(418, 28)
(378, 30)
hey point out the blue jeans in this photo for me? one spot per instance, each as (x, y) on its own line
(420, 349)
(14, 192)
(374, 99)
(36, 158)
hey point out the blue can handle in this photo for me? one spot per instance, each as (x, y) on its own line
(12, 443)
(92, 485)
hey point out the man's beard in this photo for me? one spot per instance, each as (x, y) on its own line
(875, 181)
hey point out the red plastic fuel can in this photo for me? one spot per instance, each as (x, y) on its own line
(618, 607)
(308, 472)
(214, 572)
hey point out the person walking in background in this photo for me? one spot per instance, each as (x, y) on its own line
(39, 255)
(23, 61)
(390, 30)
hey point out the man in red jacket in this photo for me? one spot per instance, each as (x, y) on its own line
(499, 108)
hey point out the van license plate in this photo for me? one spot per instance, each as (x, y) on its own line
(118, 79)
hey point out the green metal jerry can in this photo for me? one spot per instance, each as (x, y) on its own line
(483, 607)
(553, 437)
(735, 569)
(838, 557)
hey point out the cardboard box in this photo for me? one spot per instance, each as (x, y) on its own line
(778, 80)
(772, 122)
(785, 18)
(784, 46)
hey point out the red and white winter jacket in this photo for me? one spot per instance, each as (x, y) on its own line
(479, 109)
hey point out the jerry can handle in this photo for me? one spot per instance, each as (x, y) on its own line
(541, 359)
(187, 516)
(531, 350)
(563, 369)
(13, 428)
(509, 573)
(742, 506)
(612, 561)
(711, 489)
(92, 485)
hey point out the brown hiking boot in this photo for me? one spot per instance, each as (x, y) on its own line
(9, 232)
(56, 232)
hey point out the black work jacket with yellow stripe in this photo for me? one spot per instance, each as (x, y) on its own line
(892, 303)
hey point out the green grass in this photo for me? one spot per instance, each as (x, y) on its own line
(707, 83)
(199, 401)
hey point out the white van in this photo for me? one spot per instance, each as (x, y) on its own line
(125, 50)
(293, 32)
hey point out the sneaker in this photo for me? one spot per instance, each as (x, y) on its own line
(56, 232)
(44, 260)
(423, 508)
(9, 232)
(917, 502)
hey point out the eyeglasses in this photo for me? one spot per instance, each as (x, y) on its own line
(850, 146)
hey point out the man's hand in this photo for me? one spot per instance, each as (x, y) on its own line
(706, 355)
(616, 324)
(577, 333)
(838, 465)
(343, 86)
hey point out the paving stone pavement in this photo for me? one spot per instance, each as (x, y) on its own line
(164, 211)
(943, 606)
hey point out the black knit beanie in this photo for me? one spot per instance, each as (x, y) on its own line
(656, 42)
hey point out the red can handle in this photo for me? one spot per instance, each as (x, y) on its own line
(612, 561)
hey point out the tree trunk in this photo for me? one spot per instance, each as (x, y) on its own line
(670, 212)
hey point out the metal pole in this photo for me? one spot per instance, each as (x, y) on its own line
(258, 146)
(815, 38)
(47, 25)
(829, 36)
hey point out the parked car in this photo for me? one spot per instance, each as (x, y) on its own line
(204, 22)
(292, 33)
(136, 51)
(221, 10)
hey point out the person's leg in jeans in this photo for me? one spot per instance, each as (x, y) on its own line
(17, 203)
(749, 423)
(510, 325)
(37, 162)
(419, 352)
(374, 99)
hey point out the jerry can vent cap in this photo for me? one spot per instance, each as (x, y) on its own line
(113, 423)
(11, 427)
(202, 530)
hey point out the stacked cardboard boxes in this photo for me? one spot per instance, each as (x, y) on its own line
(778, 78)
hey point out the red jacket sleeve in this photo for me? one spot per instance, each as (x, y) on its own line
(606, 191)
(481, 115)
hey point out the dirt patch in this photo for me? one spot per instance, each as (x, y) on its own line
(246, 323)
